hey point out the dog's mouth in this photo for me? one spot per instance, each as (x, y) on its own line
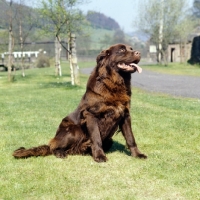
(131, 67)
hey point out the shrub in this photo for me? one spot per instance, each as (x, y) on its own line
(42, 61)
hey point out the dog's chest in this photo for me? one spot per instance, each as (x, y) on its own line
(108, 120)
(117, 109)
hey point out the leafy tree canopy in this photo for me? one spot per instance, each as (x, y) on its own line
(196, 8)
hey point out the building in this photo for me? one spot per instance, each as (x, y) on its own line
(179, 52)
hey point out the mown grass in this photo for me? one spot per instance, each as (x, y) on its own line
(166, 129)
(175, 68)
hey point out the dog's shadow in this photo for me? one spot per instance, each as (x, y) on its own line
(116, 146)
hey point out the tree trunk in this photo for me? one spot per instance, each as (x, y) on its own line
(10, 55)
(73, 60)
(22, 49)
(160, 35)
(58, 70)
(71, 69)
(10, 45)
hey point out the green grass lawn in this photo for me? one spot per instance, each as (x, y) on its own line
(176, 69)
(167, 129)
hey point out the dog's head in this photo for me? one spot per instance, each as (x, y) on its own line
(121, 57)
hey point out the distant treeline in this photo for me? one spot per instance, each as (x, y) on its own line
(99, 20)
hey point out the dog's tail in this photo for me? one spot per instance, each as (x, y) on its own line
(43, 150)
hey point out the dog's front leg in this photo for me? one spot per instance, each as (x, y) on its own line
(125, 127)
(95, 137)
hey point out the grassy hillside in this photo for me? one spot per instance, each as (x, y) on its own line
(97, 36)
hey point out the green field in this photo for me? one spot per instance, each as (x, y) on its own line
(167, 129)
(175, 69)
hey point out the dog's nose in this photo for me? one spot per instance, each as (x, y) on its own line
(137, 53)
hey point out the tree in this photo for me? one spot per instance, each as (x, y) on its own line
(25, 19)
(7, 21)
(196, 8)
(162, 19)
(61, 18)
(119, 37)
(183, 29)
(10, 41)
(18, 18)
(195, 51)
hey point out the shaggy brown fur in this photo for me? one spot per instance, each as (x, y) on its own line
(104, 108)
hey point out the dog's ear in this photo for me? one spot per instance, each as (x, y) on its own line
(102, 55)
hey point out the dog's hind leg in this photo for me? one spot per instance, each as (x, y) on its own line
(68, 140)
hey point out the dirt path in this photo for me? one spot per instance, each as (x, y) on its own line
(175, 85)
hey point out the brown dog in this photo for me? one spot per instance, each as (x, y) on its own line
(104, 108)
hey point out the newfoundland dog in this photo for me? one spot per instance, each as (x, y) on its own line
(103, 110)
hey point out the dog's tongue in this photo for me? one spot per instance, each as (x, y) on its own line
(139, 69)
(130, 67)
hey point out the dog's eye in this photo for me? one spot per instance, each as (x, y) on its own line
(122, 50)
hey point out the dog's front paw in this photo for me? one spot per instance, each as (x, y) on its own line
(135, 152)
(141, 155)
(100, 156)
